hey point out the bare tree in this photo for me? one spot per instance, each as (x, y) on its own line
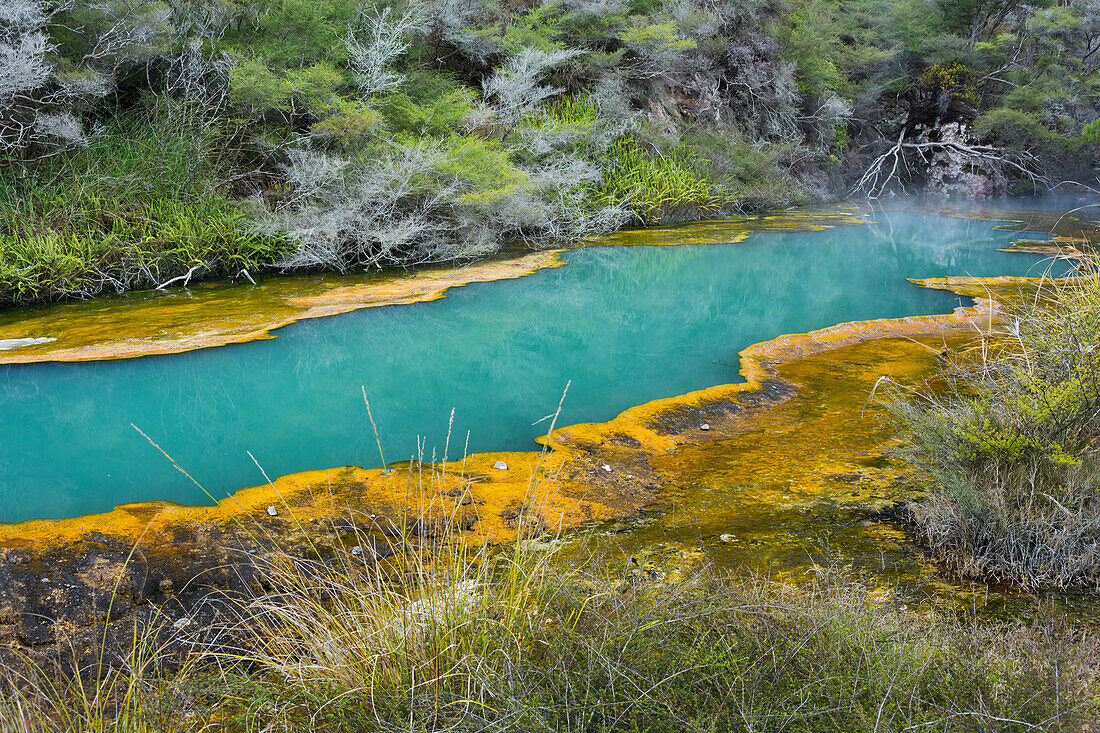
(517, 87)
(888, 168)
(372, 53)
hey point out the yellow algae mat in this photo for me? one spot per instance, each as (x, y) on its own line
(587, 472)
(141, 324)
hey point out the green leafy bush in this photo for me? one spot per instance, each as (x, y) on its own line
(1091, 132)
(1008, 440)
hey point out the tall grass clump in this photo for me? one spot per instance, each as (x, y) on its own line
(1008, 436)
(513, 643)
(420, 631)
(132, 684)
(137, 206)
(659, 186)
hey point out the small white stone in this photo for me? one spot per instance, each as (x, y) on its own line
(357, 550)
(500, 466)
(182, 623)
(705, 426)
(45, 580)
(606, 468)
(272, 511)
(728, 538)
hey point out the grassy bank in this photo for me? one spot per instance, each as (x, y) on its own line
(506, 639)
(136, 207)
(145, 203)
(333, 135)
(1007, 435)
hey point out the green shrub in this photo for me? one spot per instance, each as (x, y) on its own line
(1007, 438)
(1017, 129)
(1091, 132)
(435, 116)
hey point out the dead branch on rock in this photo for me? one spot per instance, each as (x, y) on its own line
(884, 170)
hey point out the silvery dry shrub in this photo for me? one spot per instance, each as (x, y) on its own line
(42, 94)
(429, 201)
(517, 89)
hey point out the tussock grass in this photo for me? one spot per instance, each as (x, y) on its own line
(417, 630)
(572, 650)
(507, 640)
(1008, 436)
(127, 690)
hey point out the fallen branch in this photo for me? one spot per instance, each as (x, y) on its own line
(186, 278)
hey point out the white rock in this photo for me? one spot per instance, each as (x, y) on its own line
(728, 538)
(500, 466)
(705, 426)
(272, 511)
(6, 344)
(357, 550)
(606, 468)
(182, 623)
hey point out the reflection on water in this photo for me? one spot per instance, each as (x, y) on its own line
(625, 324)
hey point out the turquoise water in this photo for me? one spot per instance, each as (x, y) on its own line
(625, 324)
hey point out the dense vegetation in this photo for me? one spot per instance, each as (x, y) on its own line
(1007, 434)
(143, 140)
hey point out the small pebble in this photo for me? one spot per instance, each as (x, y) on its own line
(272, 511)
(357, 550)
(501, 466)
(606, 468)
(728, 538)
(705, 426)
(182, 623)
